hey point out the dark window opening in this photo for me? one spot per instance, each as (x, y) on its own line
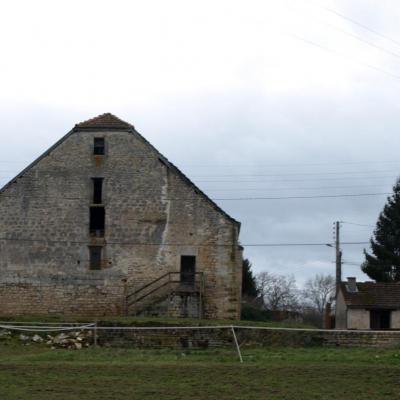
(97, 221)
(95, 257)
(98, 146)
(188, 270)
(380, 319)
(97, 190)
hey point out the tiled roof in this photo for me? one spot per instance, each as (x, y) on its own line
(373, 295)
(103, 121)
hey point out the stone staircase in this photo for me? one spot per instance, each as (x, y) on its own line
(169, 295)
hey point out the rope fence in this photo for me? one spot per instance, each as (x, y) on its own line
(202, 337)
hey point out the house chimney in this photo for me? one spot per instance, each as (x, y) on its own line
(351, 284)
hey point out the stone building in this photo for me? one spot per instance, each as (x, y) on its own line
(368, 305)
(103, 224)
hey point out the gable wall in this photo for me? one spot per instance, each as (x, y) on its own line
(49, 207)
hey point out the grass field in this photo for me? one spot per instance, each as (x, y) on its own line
(36, 372)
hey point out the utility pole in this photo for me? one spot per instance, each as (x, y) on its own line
(338, 256)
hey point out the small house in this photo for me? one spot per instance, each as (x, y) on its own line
(368, 305)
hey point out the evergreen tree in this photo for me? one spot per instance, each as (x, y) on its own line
(384, 264)
(249, 287)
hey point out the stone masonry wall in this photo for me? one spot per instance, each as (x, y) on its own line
(205, 338)
(153, 217)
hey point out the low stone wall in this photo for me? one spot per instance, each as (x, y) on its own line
(303, 338)
(172, 338)
(223, 337)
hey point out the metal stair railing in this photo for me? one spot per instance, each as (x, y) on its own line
(189, 283)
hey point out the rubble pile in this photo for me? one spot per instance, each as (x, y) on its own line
(5, 334)
(65, 340)
(70, 340)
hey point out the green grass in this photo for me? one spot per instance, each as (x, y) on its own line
(36, 372)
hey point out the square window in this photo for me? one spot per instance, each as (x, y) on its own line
(97, 221)
(98, 146)
(97, 190)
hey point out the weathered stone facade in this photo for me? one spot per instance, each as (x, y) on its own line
(153, 216)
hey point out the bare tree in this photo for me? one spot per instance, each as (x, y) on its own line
(319, 291)
(278, 292)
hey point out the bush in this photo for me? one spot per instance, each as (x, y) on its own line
(252, 313)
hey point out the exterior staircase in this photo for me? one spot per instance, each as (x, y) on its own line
(173, 294)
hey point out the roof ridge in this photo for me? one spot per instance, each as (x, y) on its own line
(105, 120)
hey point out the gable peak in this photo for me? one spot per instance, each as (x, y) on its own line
(103, 121)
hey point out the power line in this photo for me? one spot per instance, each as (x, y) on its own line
(270, 180)
(261, 165)
(363, 40)
(290, 164)
(299, 244)
(298, 180)
(292, 188)
(354, 223)
(299, 173)
(277, 174)
(353, 21)
(303, 197)
(353, 35)
(183, 244)
(240, 198)
(327, 49)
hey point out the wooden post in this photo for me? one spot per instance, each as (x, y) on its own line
(327, 316)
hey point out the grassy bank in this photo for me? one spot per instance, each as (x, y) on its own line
(146, 321)
(36, 372)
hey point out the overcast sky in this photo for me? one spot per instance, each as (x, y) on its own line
(270, 98)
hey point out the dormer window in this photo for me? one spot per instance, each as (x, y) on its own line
(98, 146)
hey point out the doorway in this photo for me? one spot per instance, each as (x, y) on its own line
(380, 319)
(188, 270)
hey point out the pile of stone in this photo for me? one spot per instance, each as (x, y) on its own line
(70, 340)
(65, 340)
(5, 334)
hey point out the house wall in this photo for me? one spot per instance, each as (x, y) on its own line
(395, 319)
(44, 263)
(358, 319)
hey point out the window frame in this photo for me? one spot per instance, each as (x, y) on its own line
(99, 146)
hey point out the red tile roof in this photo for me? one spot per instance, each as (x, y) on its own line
(103, 121)
(373, 295)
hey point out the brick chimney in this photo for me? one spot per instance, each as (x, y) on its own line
(351, 284)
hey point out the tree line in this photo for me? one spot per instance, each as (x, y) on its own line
(267, 293)
(269, 296)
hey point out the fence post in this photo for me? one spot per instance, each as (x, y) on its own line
(237, 344)
(95, 334)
